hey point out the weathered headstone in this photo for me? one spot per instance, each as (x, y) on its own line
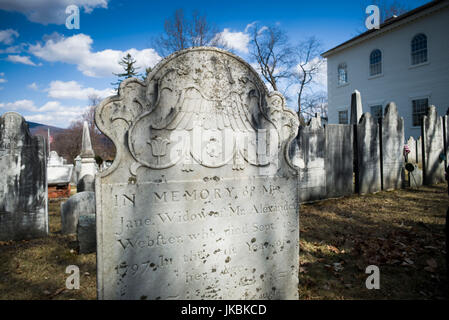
(433, 147)
(415, 177)
(339, 160)
(419, 150)
(310, 160)
(411, 143)
(88, 163)
(368, 155)
(86, 234)
(392, 148)
(86, 183)
(23, 181)
(82, 203)
(202, 199)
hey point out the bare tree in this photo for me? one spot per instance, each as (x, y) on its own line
(313, 104)
(389, 9)
(181, 32)
(308, 67)
(68, 142)
(270, 48)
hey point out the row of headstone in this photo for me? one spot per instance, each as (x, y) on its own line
(368, 155)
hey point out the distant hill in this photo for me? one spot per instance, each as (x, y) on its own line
(41, 129)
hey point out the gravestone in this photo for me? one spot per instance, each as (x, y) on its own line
(356, 107)
(86, 234)
(339, 160)
(433, 147)
(311, 142)
(368, 155)
(446, 138)
(82, 203)
(411, 142)
(392, 148)
(23, 181)
(419, 150)
(88, 163)
(201, 201)
(415, 177)
(86, 183)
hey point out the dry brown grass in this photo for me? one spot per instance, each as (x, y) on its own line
(401, 231)
(35, 269)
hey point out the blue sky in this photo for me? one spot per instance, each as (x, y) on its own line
(47, 71)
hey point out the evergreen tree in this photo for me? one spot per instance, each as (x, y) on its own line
(127, 63)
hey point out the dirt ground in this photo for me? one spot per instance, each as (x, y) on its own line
(401, 232)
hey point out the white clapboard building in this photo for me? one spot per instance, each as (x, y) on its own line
(406, 61)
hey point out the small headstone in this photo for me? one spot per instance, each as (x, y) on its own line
(86, 234)
(392, 152)
(86, 183)
(59, 177)
(368, 155)
(339, 160)
(82, 203)
(23, 181)
(203, 201)
(310, 157)
(415, 177)
(433, 155)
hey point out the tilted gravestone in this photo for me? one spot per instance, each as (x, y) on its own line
(433, 147)
(23, 181)
(392, 148)
(82, 203)
(411, 142)
(201, 201)
(310, 157)
(368, 155)
(339, 160)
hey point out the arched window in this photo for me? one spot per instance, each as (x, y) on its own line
(375, 62)
(342, 73)
(419, 49)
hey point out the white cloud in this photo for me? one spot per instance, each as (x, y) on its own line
(77, 50)
(7, 36)
(235, 40)
(49, 11)
(21, 59)
(73, 90)
(52, 112)
(3, 80)
(33, 86)
(24, 105)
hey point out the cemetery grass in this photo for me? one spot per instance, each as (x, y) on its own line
(35, 269)
(401, 232)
